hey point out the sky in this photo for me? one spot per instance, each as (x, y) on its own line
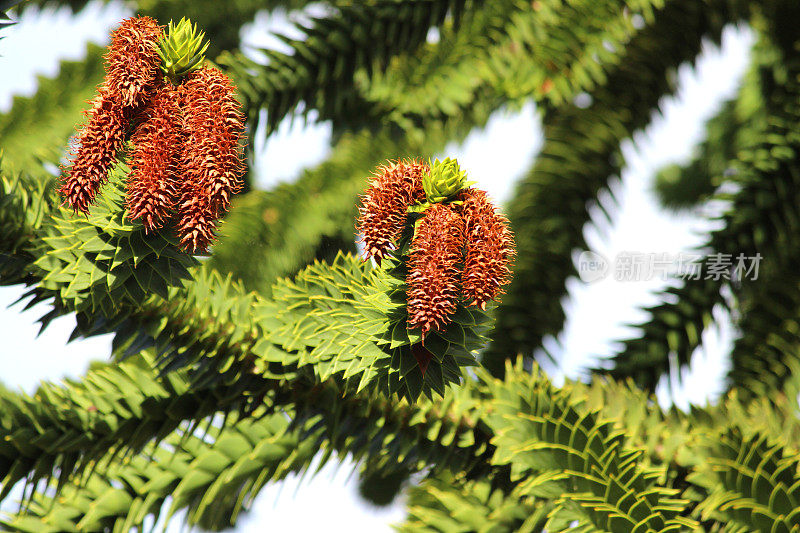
(496, 157)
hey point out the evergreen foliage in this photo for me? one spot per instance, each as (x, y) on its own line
(284, 347)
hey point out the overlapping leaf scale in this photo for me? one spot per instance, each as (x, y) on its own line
(581, 153)
(761, 221)
(752, 484)
(36, 128)
(98, 263)
(446, 434)
(340, 320)
(447, 504)
(556, 449)
(64, 427)
(214, 476)
(320, 70)
(728, 131)
(25, 203)
(505, 52)
(330, 317)
(207, 326)
(221, 21)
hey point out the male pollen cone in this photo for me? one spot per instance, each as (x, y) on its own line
(132, 61)
(157, 141)
(489, 249)
(434, 269)
(212, 156)
(97, 144)
(383, 214)
(131, 72)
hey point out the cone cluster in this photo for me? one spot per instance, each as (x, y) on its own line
(461, 249)
(184, 125)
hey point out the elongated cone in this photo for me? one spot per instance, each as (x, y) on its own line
(131, 73)
(156, 156)
(132, 61)
(383, 214)
(436, 252)
(213, 164)
(489, 249)
(95, 153)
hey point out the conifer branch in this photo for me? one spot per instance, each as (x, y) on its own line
(759, 221)
(580, 155)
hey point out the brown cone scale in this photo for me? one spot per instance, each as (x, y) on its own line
(433, 269)
(383, 211)
(152, 184)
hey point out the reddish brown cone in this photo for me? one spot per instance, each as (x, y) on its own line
(131, 72)
(157, 142)
(97, 144)
(489, 249)
(132, 61)
(212, 157)
(382, 214)
(436, 252)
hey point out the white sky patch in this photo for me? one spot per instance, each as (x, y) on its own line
(43, 38)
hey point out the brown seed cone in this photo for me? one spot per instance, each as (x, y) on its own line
(95, 153)
(132, 61)
(382, 214)
(489, 249)
(157, 152)
(436, 252)
(213, 164)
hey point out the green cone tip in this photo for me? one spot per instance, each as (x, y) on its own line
(182, 49)
(444, 180)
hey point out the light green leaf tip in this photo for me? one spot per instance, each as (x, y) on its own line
(444, 180)
(182, 49)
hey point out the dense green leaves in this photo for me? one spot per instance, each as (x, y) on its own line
(556, 450)
(97, 263)
(444, 504)
(213, 475)
(752, 484)
(65, 428)
(321, 69)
